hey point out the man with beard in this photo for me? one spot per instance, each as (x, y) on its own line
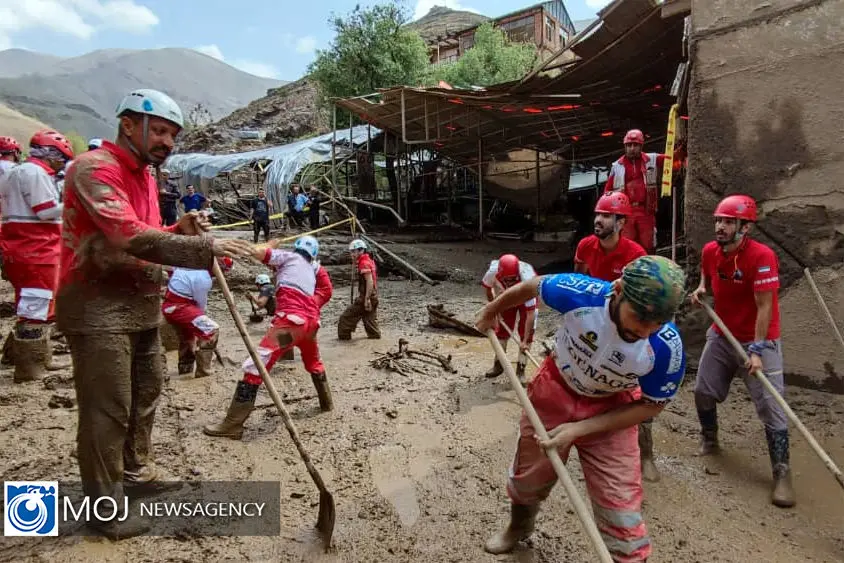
(743, 275)
(109, 298)
(618, 361)
(637, 174)
(603, 256)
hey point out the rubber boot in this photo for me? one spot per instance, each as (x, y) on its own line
(9, 350)
(497, 368)
(241, 407)
(33, 353)
(782, 494)
(326, 403)
(646, 452)
(708, 432)
(522, 519)
(205, 357)
(520, 373)
(187, 357)
(114, 530)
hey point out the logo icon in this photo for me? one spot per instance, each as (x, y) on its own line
(590, 339)
(617, 357)
(31, 508)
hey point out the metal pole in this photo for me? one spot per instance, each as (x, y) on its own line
(480, 187)
(674, 223)
(334, 150)
(538, 191)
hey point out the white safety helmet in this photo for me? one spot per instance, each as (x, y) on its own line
(95, 143)
(152, 102)
(262, 279)
(357, 244)
(309, 244)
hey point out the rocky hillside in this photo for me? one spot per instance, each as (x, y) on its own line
(441, 21)
(282, 116)
(80, 93)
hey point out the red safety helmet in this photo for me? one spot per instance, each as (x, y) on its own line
(737, 207)
(614, 203)
(225, 263)
(634, 136)
(9, 145)
(508, 267)
(51, 138)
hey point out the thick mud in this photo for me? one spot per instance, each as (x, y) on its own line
(418, 463)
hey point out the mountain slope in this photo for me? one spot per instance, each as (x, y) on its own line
(81, 93)
(17, 125)
(17, 62)
(441, 21)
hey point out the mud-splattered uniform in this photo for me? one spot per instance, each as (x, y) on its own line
(109, 306)
(184, 307)
(594, 371)
(356, 312)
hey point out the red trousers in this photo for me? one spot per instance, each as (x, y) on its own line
(35, 290)
(285, 332)
(641, 227)
(186, 315)
(508, 318)
(610, 462)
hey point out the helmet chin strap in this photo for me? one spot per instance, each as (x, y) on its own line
(144, 156)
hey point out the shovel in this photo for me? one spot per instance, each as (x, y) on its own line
(580, 508)
(327, 510)
(777, 397)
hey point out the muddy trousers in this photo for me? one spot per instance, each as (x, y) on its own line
(610, 463)
(118, 379)
(285, 333)
(193, 325)
(355, 313)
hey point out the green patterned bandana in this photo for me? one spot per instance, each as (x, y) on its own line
(654, 286)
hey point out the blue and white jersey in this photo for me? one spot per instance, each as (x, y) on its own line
(591, 356)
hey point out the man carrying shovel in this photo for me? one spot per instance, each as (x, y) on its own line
(618, 361)
(743, 275)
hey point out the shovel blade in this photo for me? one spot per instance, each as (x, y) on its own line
(327, 514)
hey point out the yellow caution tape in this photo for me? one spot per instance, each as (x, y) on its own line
(247, 222)
(668, 165)
(276, 242)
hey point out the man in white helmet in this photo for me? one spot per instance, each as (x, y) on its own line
(265, 299)
(295, 323)
(365, 307)
(109, 301)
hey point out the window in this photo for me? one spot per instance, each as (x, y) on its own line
(549, 29)
(520, 29)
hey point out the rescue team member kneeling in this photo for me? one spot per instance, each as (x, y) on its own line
(618, 361)
(109, 298)
(295, 324)
(184, 308)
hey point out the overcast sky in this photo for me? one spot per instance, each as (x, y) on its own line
(257, 36)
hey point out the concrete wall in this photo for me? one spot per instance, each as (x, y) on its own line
(767, 115)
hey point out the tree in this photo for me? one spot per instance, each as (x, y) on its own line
(492, 59)
(371, 49)
(78, 143)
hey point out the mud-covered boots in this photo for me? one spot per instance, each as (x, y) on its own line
(646, 452)
(187, 357)
(522, 519)
(497, 369)
(8, 358)
(205, 358)
(33, 352)
(708, 431)
(241, 407)
(782, 494)
(326, 403)
(520, 373)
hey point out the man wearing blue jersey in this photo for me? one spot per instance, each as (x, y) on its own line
(618, 361)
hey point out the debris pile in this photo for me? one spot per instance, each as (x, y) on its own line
(398, 361)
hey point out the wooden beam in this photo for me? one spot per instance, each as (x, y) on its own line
(673, 8)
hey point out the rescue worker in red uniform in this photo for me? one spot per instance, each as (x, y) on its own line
(10, 153)
(295, 324)
(32, 234)
(637, 175)
(365, 307)
(743, 276)
(504, 273)
(184, 307)
(604, 255)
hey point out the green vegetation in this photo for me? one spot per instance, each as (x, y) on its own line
(78, 143)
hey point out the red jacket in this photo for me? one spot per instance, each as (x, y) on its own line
(635, 182)
(324, 290)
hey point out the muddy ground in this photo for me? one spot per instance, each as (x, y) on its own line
(418, 463)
